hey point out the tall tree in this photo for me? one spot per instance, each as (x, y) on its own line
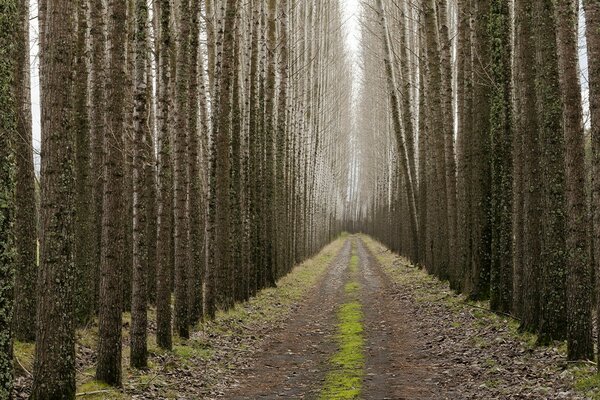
(553, 317)
(526, 197)
(579, 276)
(97, 127)
(592, 19)
(400, 141)
(26, 217)
(113, 228)
(164, 264)
(9, 23)
(499, 29)
(54, 367)
(196, 201)
(219, 202)
(479, 267)
(180, 172)
(85, 243)
(141, 150)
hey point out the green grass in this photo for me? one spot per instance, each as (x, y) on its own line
(351, 287)
(587, 380)
(24, 354)
(99, 390)
(344, 381)
(354, 264)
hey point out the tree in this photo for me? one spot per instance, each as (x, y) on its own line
(85, 243)
(501, 143)
(196, 203)
(54, 367)
(553, 317)
(97, 127)
(438, 212)
(165, 181)
(400, 141)
(113, 228)
(9, 22)
(479, 180)
(592, 19)
(180, 172)
(26, 213)
(141, 150)
(579, 275)
(219, 202)
(527, 207)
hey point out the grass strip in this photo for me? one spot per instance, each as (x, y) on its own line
(344, 381)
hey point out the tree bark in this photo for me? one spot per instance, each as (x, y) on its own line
(54, 367)
(579, 277)
(26, 267)
(9, 104)
(114, 204)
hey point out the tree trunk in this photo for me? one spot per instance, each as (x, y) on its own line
(592, 19)
(26, 213)
(180, 173)
(579, 277)
(400, 140)
(9, 102)
(54, 367)
(553, 318)
(141, 150)
(113, 227)
(501, 142)
(164, 264)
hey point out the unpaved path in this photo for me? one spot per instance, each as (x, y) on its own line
(418, 345)
(395, 367)
(293, 365)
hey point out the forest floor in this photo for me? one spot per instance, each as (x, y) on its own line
(356, 321)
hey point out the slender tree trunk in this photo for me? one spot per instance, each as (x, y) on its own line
(113, 228)
(501, 145)
(141, 150)
(592, 19)
(9, 102)
(579, 276)
(553, 318)
(164, 264)
(54, 367)
(196, 203)
(392, 91)
(180, 174)
(26, 213)
(97, 128)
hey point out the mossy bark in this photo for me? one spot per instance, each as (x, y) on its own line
(26, 213)
(9, 22)
(114, 205)
(54, 367)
